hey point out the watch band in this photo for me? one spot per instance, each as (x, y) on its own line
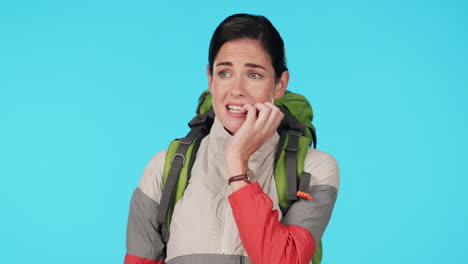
(248, 177)
(242, 177)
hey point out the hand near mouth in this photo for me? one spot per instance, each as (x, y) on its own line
(260, 125)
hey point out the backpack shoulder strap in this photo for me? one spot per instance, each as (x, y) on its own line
(175, 161)
(289, 166)
(177, 168)
(296, 135)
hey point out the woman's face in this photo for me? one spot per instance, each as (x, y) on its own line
(242, 74)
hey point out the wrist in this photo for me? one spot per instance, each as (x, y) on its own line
(238, 181)
(236, 167)
(235, 155)
(247, 177)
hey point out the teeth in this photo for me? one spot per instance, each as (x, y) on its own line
(238, 107)
(234, 108)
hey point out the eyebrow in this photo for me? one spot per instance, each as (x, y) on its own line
(227, 63)
(252, 65)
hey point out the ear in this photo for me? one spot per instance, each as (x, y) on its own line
(281, 85)
(208, 75)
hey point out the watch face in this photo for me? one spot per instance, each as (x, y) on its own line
(251, 176)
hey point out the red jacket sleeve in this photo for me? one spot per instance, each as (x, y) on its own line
(265, 239)
(131, 259)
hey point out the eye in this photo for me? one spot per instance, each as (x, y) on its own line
(255, 75)
(224, 74)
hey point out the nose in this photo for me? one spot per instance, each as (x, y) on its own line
(238, 87)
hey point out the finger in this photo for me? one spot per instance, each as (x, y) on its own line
(276, 113)
(276, 116)
(263, 115)
(251, 115)
(245, 107)
(267, 127)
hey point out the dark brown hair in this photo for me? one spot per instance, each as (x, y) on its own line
(254, 27)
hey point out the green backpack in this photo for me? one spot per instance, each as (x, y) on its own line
(296, 135)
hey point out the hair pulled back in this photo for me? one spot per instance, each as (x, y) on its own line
(253, 27)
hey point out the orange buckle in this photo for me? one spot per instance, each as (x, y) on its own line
(304, 195)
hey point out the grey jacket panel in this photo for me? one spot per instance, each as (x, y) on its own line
(143, 240)
(314, 214)
(209, 259)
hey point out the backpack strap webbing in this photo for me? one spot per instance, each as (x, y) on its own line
(180, 168)
(305, 182)
(291, 164)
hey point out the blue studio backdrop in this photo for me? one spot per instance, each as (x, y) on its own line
(91, 90)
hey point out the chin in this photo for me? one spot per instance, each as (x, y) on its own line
(231, 131)
(232, 128)
(231, 125)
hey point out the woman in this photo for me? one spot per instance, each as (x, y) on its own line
(225, 217)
